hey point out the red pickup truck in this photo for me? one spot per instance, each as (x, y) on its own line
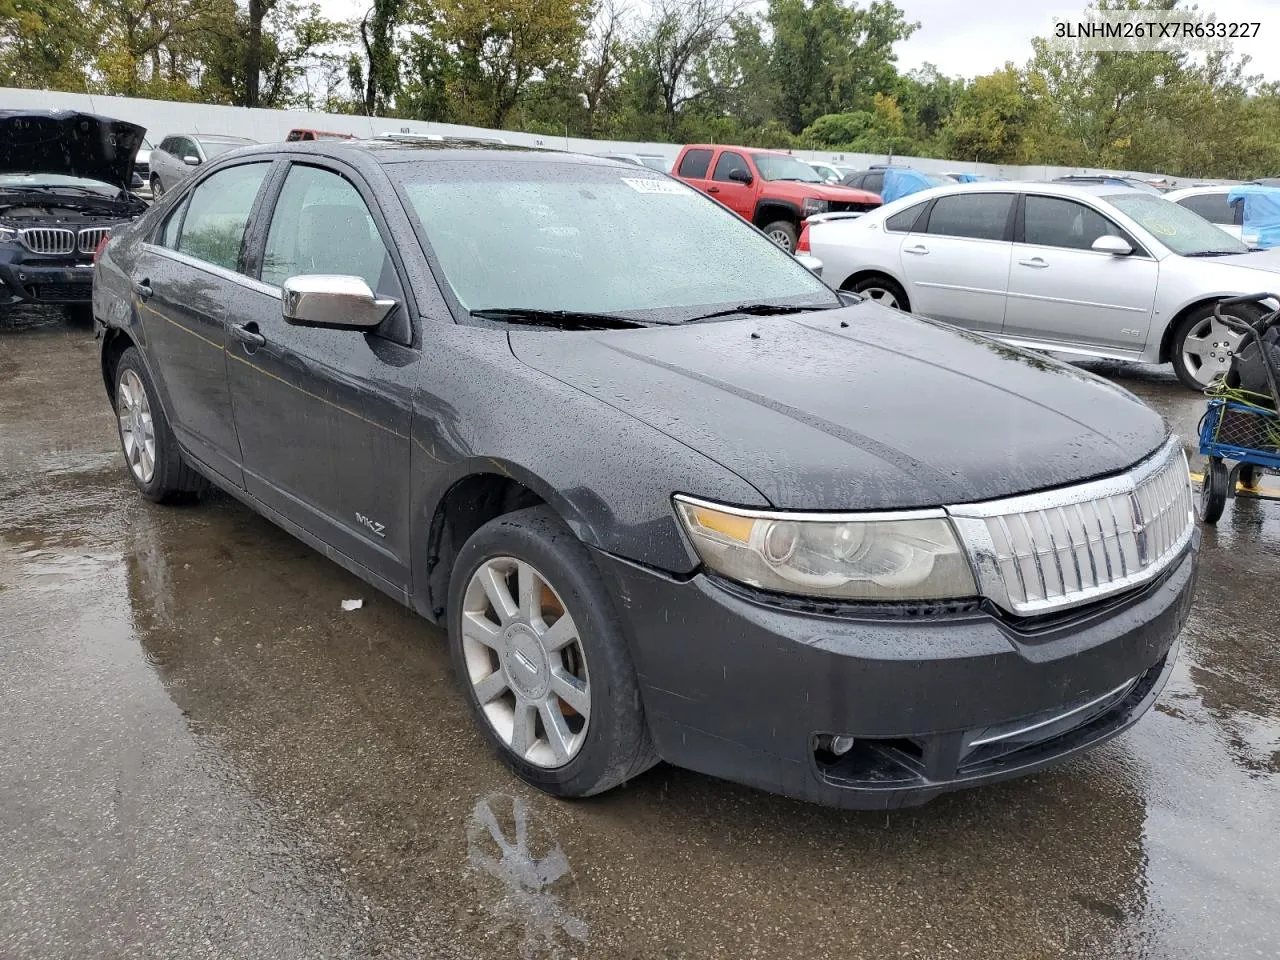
(775, 191)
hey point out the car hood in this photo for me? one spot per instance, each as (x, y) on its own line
(823, 191)
(1265, 260)
(70, 143)
(862, 408)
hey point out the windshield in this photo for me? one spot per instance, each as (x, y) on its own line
(20, 181)
(216, 148)
(773, 166)
(559, 236)
(1183, 232)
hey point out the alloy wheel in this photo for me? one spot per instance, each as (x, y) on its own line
(137, 428)
(880, 295)
(781, 238)
(525, 661)
(1208, 349)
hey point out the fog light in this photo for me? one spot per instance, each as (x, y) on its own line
(835, 744)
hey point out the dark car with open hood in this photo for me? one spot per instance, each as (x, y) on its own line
(65, 182)
(669, 495)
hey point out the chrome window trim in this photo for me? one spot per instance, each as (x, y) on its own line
(238, 278)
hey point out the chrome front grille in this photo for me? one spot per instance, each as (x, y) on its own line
(90, 238)
(1061, 548)
(53, 240)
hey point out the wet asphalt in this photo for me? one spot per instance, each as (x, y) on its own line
(202, 755)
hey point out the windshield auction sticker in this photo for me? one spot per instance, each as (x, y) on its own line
(645, 185)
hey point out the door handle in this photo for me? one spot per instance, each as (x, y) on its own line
(919, 250)
(143, 289)
(713, 189)
(1036, 262)
(247, 333)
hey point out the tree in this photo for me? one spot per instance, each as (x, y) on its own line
(603, 58)
(380, 76)
(44, 44)
(676, 37)
(1000, 118)
(502, 46)
(831, 58)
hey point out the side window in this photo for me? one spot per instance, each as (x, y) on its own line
(1054, 222)
(183, 147)
(728, 163)
(217, 213)
(1212, 206)
(905, 220)
(695, 163)
(977, 216)
(873, 182)
(168, 235)
(166, 145)
(293, 137)
(322, 225)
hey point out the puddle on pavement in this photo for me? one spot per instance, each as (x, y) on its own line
(348, 734)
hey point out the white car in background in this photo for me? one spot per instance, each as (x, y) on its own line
(1211, 203)
(1098, 270)
(653, 161)
(828, 171)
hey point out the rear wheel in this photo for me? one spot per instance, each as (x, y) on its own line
(1213, 491)
(539, 651)
(150, 448)
(783, 233)
(157, 188)
(882, 290)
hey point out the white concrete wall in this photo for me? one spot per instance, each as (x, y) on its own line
(164, 117)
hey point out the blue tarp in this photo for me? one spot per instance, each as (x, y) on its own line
(902, 182)
(1261, 213)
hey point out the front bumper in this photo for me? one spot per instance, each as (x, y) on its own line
(934, 700)
(53, 281)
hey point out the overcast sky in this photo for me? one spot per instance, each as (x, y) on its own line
(972, 37)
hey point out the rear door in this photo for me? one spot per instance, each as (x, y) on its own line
(956, 259)
(737, 196)
(695, 168)
(184, 279)
(1062, 291)
(323, 415)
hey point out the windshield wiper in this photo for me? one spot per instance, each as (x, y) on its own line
(1213, 253)
(564, 319)
(760, 310)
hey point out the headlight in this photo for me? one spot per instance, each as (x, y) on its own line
(7, 234)
(895, 557)
(813, 205)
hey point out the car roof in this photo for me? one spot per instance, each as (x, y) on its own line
(215, 137)
(1044, 187)
(387, 150)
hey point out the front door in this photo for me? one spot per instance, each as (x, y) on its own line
(1062, 291)
(184, 280)
(323, 415)
(695, 168)
(734, 194)
(956, 260)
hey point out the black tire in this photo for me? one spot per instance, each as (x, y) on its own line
(869, 286)
(1213, 491)
(1247, 312)
(1249, 475)
(783, 233)
(617, 745)
(157, 188)
(79, 314)
(172, 480)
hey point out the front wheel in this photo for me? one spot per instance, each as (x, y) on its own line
(783, 233)
(1203, 345)
(157, 188)
(540, 654)
(1213, 491)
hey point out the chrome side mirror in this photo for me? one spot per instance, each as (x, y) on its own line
(1116, 246)
(812, 264)
(343, 303)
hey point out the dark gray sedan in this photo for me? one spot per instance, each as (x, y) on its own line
(672, 497)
